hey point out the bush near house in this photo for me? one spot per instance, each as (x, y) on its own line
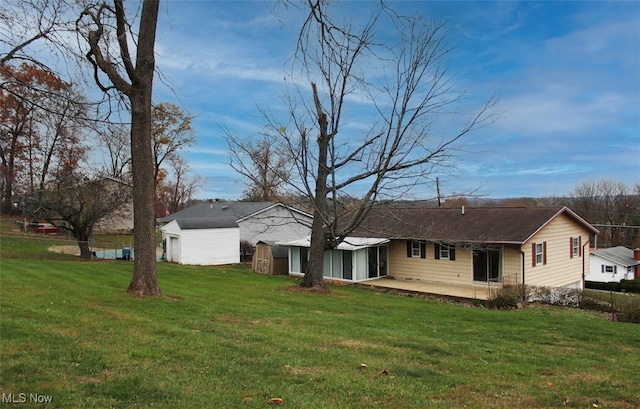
(509, 297)
(628, 286)
(623, 307)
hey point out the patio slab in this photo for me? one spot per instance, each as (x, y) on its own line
(477, 292)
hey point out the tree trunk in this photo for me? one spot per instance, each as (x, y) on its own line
(144, 281)
(85, 251)
(7, 197)
(9, 170)
(313, 276)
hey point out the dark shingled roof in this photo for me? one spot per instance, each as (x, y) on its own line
(217, 223)
(499, 225)
(218, 210)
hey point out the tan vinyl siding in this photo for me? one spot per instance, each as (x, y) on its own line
(560, 268)
(512, 265)
(402, 267)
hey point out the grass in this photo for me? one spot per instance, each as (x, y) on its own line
(224, 337)
(17, 243)
(32, 245)
(618, 299)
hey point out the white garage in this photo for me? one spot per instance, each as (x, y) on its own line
(202, 241)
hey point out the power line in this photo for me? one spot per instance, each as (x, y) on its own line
(616, 225)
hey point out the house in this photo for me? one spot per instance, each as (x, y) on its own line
(214, 232)
(537, 246)
(121, 220)
(614, 264)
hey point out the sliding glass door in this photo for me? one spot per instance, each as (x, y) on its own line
(377, 259)
(486, 265)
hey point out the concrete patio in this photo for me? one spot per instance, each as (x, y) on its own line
(477, 292)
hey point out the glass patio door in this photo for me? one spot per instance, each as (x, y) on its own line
(377, 261)
(486, 265)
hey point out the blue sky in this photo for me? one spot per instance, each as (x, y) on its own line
(566, 75)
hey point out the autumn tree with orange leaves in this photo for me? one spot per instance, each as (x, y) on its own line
(171, 132)
(39, 130)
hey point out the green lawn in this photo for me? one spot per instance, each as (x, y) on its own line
(224, 337)
(17, 243)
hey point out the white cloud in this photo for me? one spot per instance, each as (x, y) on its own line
(566, 75)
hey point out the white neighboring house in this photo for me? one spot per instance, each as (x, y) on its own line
(202, 242)
(614, 264)
(211, 233)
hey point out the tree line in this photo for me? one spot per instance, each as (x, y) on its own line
(53, 54)
(51, 151)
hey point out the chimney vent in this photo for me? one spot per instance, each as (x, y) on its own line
(463, 210)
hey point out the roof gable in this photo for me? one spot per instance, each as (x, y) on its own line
(570, 214)
(297, 212)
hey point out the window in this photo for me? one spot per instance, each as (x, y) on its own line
(539, 253)
(610, 269)
(416, 249)
(445, 252)
(575, 247)
(294, 260)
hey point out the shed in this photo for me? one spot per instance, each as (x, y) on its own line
(270, 258)
(202, 241)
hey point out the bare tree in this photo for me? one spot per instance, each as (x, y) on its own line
(405, 80)
(171, 132)
(613, 207)
(38, 33)
(267, 170)
(25, 23)
(179, 188)
(60, 137)
(76, 204)
(107, 28)
(114, 141)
